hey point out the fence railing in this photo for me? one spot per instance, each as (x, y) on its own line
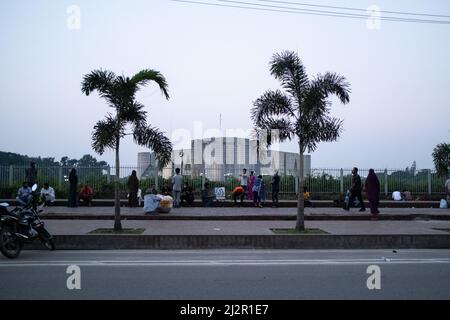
(318, 180)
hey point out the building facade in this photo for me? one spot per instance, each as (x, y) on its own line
(220, 157)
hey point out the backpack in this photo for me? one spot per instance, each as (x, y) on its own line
(443, 204)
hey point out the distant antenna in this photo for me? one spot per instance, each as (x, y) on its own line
(220, 121)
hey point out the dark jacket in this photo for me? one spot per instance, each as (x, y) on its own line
(133, 184)
(372, 187)
(31, 175)
(356, 183)
(276, 183)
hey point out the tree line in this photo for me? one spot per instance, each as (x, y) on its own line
(16, 159)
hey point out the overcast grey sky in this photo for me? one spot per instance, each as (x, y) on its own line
(215, 60)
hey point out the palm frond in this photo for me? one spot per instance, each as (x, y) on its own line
(278, 130)
(124, 92)
(100, 80)
(314, 102)
(104, 134)
(134, 113)
(144, 76)
(332, 83)
(155, 140)
(288, 68)
(312, 131)
(270, 104)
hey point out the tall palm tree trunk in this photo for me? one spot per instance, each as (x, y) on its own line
(300, 225)
(117, 222)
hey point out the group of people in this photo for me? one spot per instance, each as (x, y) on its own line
(85, 194)
(252, 185)
(24, 194)
(255, 188)
(401, 196)
(372, 189)
(180, 194)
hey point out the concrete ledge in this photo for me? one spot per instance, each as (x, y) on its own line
(282, 203)
(112, 242)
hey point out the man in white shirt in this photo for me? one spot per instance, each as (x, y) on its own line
(177, 183)
(244, 182)
(397, 196)
(48, 193)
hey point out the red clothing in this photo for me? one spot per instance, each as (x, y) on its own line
(86, 192)
(250, 187)
(238, 191)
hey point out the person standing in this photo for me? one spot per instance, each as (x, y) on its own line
(275, 189)
(372, 186)
(256, 188)
(251, 184)
(133, 188)
(355, 191)
(244, 183)
(73, 185)
(262, 193)
(177, 183)
(31, 174)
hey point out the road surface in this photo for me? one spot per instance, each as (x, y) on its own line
(227, 274)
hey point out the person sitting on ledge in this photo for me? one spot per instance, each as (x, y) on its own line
(86, 194)
(397, 196)
(406, 195)
(187, 195)
(237, 192)
(306, 197)
(24, 194)
(48, 193)
(151, 201)
(207, 196)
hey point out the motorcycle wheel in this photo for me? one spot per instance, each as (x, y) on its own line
(50, 244)
(10, 245)
(47, 239)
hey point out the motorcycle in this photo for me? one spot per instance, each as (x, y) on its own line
(22, 225)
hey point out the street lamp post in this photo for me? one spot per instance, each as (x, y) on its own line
(182, 155)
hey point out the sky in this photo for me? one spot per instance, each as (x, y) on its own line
(216, 62)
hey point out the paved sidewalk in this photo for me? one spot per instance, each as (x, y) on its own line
(245, 213)
(171, 227)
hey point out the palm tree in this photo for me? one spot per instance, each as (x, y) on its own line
(441, 159)
(119, 92)
(301, 111)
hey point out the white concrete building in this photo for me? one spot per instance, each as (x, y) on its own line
(221, 156)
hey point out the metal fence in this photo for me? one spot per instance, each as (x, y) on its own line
(318, 180)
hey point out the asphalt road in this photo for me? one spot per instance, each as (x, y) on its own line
(227, 274)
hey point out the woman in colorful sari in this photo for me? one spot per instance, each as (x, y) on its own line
(251, 184)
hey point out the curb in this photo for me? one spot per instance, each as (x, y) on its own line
(314, 217)
(112, 242)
